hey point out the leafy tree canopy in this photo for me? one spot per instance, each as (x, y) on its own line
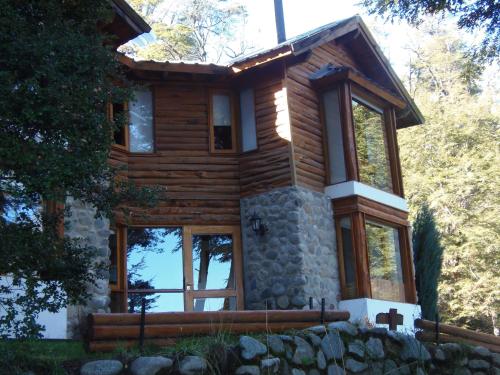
(56, 77)
(194, 30)
(456, 172)
(481, 15)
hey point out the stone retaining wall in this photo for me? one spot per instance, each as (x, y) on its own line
(296, 259)
(82, 224)
(337, 349)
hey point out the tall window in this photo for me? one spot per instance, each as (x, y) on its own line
(247, 114)
(336, 161)
(141, 122)
(222, 136)
(371, 146)
(386, 275)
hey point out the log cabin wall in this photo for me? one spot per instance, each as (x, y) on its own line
(305, 118)
(269, 166)
(201, 188)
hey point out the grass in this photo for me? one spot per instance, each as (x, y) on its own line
(51, 357)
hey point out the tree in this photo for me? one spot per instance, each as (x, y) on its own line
(452, 162)
(472, 15)
(56, 77)
(195, 30)
(427, 255)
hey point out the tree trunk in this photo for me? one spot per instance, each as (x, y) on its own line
(203, 271)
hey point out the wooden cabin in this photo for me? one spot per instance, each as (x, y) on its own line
(282, 182)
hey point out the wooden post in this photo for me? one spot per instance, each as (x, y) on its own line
(392, 318)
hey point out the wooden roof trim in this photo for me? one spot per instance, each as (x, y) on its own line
(348, 74)
(174, 67)
(134, 20)
(263, 58)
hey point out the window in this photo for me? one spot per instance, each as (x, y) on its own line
(222, 135)
(141, 121)
(371, 146)
(175, 269)
(375, 260)
(335, 142)
(117, 114)
(247, 114)
(386, 275)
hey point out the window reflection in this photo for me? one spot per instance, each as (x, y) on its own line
(371, 147)
(222, 122)
(348, 256)
(141, 121)
(215, 304)
(384, 254)
(213, 262)
(156, 302)
(154, 265)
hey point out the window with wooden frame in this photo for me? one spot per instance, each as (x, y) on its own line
(360, 131)
(221, 119)
(189, 268)
(374, 251)
(137, 133)
(117, 112)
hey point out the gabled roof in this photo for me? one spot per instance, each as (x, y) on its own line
(126, 24)
(353, 33)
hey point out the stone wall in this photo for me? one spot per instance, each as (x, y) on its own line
(82, 224)
(339, 348)
(296, 259)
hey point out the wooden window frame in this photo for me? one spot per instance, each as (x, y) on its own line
(211, 136)
(349, 86)
(124, 147)
(189, 293)
(361, 209)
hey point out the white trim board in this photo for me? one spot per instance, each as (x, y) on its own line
(346, 189)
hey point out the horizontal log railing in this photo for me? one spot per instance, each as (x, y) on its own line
(432, 332)
(109, 331)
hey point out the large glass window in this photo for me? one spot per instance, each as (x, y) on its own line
(155, 269)
(141, 122)
(336, 161)
(371, 146)
(386, 275)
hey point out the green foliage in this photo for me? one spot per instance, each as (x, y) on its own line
(452, 163)
(56, 77)
(194, 30)
(473, 15)
(427, 254)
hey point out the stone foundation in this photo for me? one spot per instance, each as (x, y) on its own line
(297, 258)
(82, 224)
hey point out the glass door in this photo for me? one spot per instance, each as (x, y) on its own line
(212, 268)
(190, 268)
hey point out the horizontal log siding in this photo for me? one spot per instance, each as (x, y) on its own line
(201, 188)
(306, 124)
(269, 166)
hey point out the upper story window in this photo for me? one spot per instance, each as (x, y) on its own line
(141, 122)
(360, 136)
(137, 134)
(371, 145)
(222, 132)
(247, 115)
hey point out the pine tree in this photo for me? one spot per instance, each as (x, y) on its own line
(427, 254)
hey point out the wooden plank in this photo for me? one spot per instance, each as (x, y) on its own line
(245, 316)
(458, 332)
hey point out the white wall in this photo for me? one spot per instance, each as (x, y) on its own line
(365, 310)
(55, 323)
